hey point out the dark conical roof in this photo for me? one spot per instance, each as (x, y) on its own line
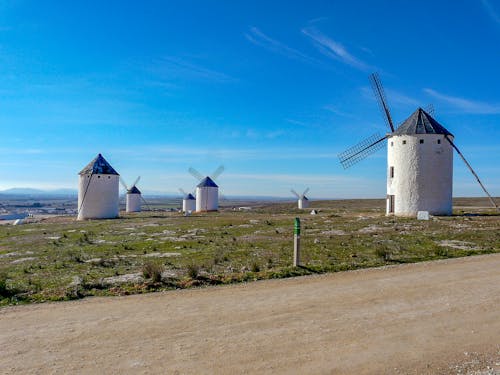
(98, 166)
(420, 122)
(189, 197)
(207, 182)
(133, 190)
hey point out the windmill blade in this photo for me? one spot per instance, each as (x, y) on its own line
(136, 181)
(183, 192)
(472, 171)
(122, 181)
(222, 196)
(361, 150)
(378, 90)
(146, 203)
(217, 172)
(195, 174)
(305, 192)
(295, 193)
(429, 109)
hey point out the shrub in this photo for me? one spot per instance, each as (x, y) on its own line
(4, 292)
(384, 254)
(193, 270)
(255, 267)
(152, 271)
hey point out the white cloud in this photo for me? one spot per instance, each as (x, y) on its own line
(334, 49)
(491, 11)
(260, 39)
(170, 67)
(465, 105)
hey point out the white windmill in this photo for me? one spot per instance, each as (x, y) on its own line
(419, 161)
(133, 197)
(302, 200)
(207, 191)
(98, 193)
(188, 201)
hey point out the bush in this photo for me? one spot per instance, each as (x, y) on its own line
(255, 267)
(4, 292)
(384, 254)
(152, 271)
(193, 270)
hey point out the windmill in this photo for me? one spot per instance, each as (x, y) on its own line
(207, 191)
(133, 197)
(302, 200)
(419, 158)
(98, 190)
(188, 201)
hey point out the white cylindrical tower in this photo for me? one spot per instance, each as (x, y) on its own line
(420, 167)
(303, 202)
(188, 203)
(133, 200)
(98, 192)
(207, 196)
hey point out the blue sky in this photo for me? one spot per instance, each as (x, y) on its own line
(272, 90)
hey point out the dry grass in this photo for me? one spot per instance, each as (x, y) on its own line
(41, 260)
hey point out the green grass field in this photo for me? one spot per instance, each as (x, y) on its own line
(60, 258)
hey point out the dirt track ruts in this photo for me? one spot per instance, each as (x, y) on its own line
(419, 318)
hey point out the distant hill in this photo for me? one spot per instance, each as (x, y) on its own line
(38, 192)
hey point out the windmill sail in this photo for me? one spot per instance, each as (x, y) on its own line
(136, 181)
(295, 193)
(122, 181)
(217, 172)
(195, 174)
(472, 171)
(361, 150)
(378, 90)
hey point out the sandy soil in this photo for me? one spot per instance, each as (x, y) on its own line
(428, 318)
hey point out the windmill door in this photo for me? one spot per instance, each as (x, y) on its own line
(390, 201)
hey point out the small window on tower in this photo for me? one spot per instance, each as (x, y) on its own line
(421, 141)
(392, 144)
(439, 141)
(404, 142)
(98, 176)
(391, 172)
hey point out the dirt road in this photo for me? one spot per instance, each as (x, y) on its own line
(428, 318)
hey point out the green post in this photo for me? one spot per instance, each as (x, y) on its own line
(296, 243)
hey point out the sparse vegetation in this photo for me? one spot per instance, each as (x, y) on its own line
(153, 271)
(193, 270)
(225, 247)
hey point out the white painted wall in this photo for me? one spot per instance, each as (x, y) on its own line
(133, 202)
(188, 205)
(303, 203)
(101, 197)
(423, 174)
(207, 198)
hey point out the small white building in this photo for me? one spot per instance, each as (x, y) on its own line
(207, 196)
(133, 200)
(303, 202)
(188, 203)
(98, 191)
(420, 167)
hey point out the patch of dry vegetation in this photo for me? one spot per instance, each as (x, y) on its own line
(60, 258)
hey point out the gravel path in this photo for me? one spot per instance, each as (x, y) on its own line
(428, 318)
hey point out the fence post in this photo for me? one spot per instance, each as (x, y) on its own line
(296, 243)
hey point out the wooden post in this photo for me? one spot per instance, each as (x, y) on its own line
(296, 243)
